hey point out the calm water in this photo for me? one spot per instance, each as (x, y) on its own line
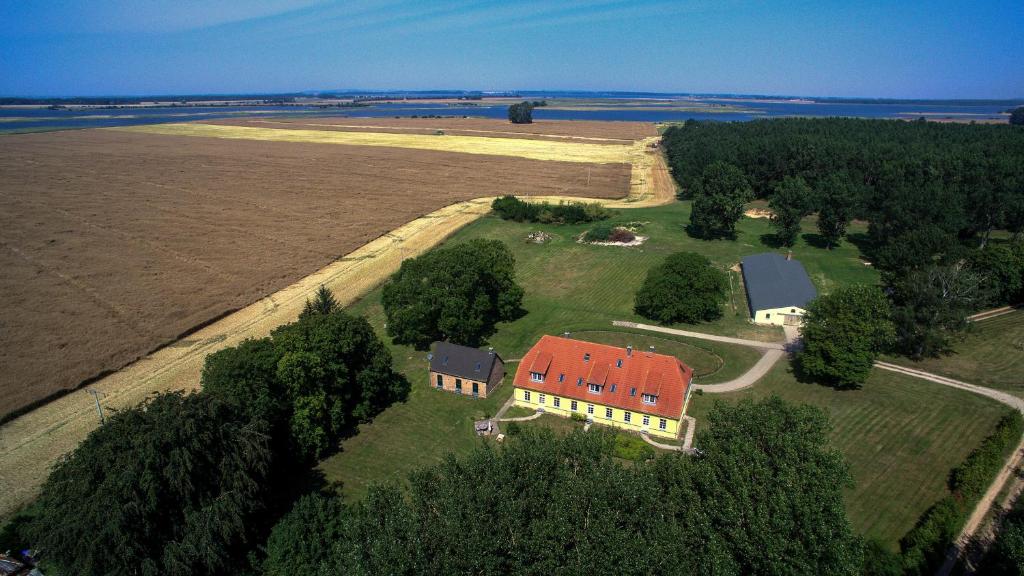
(22, 120)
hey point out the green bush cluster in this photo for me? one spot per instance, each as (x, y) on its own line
(629, 447)
(924, 547)
(512, 208)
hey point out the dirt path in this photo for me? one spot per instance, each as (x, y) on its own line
(30, 443)
(702, 336)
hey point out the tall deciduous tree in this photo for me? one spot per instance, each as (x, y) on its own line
(843, 332)
(312, 380)
(837, 197)
(304, 537)
(456, 294)
(167, 488)
(719, 197)
(791, 200)
(684, 288)
(930, 305)
(521, 113)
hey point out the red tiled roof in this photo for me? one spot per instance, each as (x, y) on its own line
(649, 373)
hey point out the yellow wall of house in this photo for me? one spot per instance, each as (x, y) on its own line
(618, 419)
(776, 316)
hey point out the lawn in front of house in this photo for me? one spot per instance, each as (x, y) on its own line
(900, 435)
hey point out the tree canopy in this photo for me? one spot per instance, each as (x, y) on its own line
(312, 381)
(167, 488)
(843, 333)
(521, 113)
(684, 288)
(456, 294)
(791, 200)
(323, 303)
(1017, 116)
(719, 196)
(765, 497)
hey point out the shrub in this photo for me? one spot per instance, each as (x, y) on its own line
(513, 428)
(512, 208)
(578, 417)
(621, 235)
(629, 447)
(971, 479)
(599, 233)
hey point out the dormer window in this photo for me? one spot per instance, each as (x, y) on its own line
(594, 388)
(618, 363)
(561, 377)
(536, 377)
(579, 381)
(613, 387)
(632, 391)
(586, 357)
(649, 398)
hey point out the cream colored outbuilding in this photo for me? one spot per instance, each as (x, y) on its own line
(791, 316)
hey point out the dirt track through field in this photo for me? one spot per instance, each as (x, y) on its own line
(30, 443)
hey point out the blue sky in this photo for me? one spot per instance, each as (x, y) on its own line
(938, 49)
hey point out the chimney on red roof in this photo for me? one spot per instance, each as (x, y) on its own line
(629, 350)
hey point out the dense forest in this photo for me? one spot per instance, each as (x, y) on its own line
(944, 204)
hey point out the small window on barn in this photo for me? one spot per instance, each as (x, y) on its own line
(477, 366)
(767, 315)
(445, 361)
(618, 363)
(793, 310)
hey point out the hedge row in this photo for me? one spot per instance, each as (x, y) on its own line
(924, 547)
(512, 208)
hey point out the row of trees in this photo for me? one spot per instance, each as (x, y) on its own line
(765, 497)
(189, 484)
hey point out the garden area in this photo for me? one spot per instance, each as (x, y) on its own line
(900, 436)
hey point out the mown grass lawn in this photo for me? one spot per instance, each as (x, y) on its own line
(990, 354)
(900, 436)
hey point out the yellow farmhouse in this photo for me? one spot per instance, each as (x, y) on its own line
(636, 390)
(778, 289)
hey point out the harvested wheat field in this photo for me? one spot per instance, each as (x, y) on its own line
(597, 132)
(117, 242)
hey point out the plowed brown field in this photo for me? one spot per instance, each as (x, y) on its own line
(114, 243)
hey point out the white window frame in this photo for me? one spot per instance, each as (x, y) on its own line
(649, 399)
(662, 424)
(590, 409)
(536, 377)
(574, 406)
(646, 420)
(593, 388)
(557, 402)
(608, 413)
(540, 398)
(627, 416)
(526, 395)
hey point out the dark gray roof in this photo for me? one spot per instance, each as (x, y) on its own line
(462, 361)
(774, 282)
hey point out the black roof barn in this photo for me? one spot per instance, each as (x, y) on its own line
(462, 361)
(775, 281)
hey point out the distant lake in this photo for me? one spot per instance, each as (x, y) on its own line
(34, 119)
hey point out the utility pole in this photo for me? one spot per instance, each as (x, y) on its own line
(96, 397)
